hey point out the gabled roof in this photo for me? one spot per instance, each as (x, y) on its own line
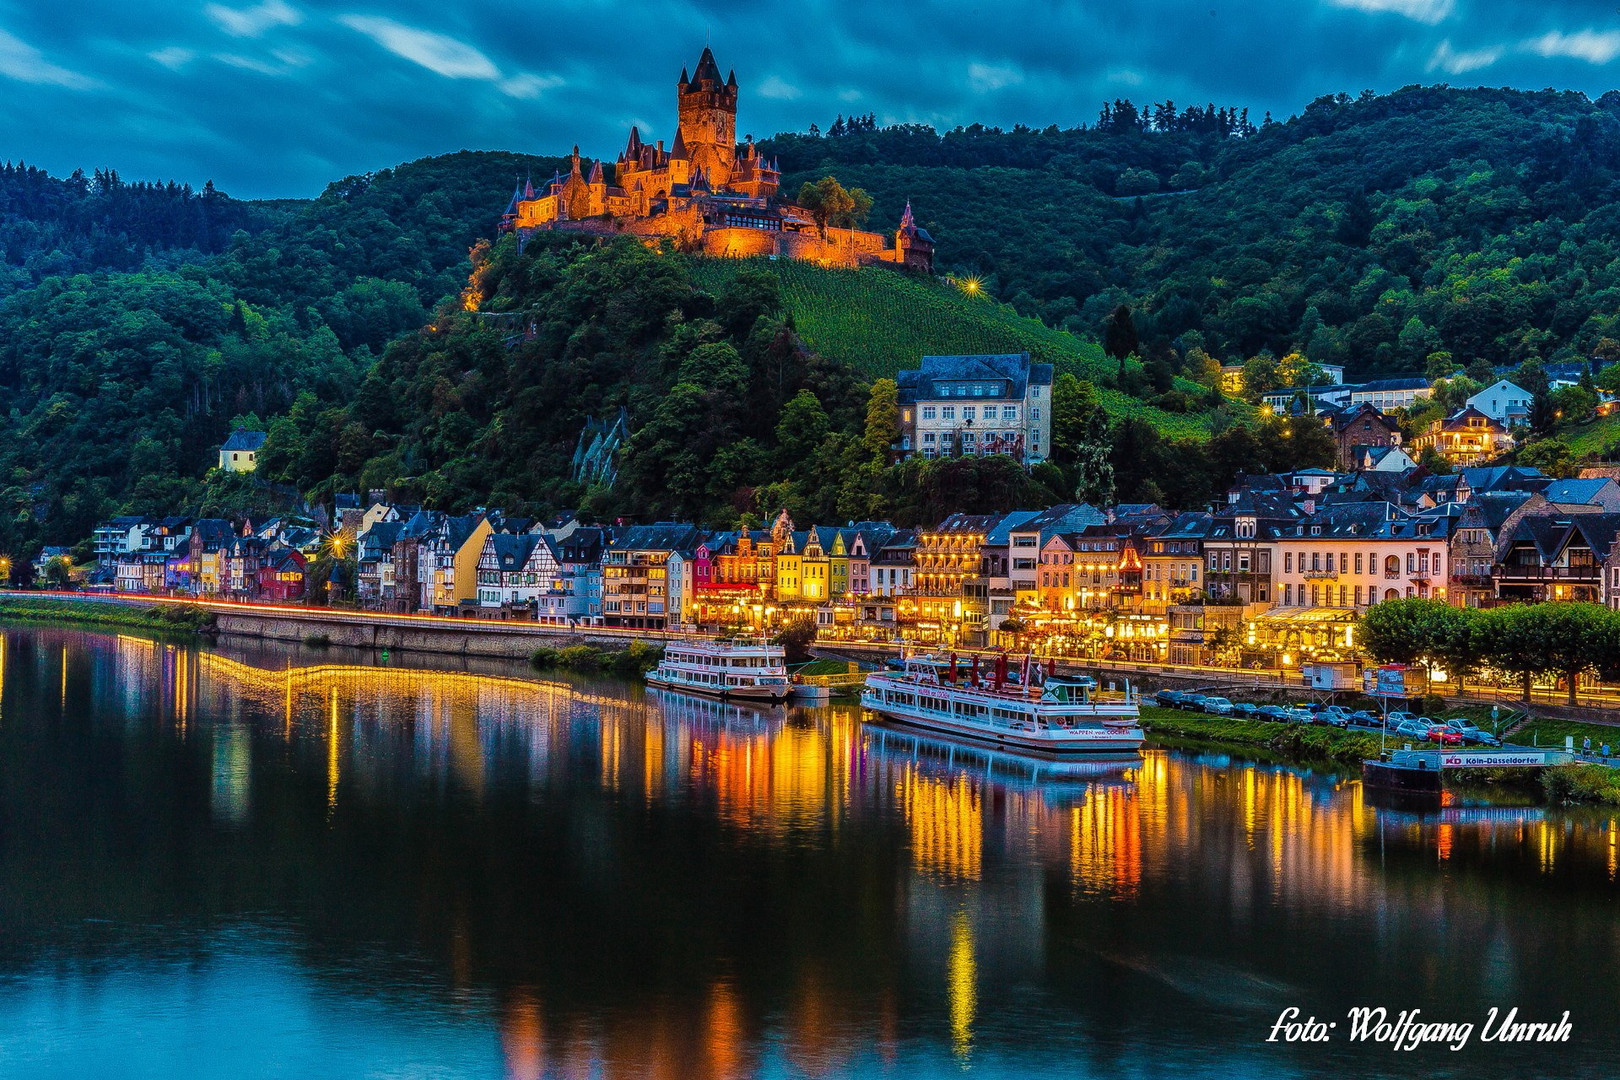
(241, 439)
(1505, 478)
(1346, 417)
(1013, 519)
(512, 550)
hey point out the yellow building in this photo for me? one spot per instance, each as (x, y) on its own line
(456, 551)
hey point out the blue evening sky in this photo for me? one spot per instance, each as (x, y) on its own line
(275, 98)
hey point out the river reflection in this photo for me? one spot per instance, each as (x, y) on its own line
(297, 863)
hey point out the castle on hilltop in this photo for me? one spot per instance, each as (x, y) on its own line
(705, 192)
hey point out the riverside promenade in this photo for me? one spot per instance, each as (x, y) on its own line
(515, 640)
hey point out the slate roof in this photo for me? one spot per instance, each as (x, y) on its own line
(1505, 478)
(1012, 369)
(664, 536)
(241, 439)
(512, 550)
(1583, 492)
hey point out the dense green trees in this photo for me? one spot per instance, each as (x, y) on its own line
(1561, 639)
(1371, 232)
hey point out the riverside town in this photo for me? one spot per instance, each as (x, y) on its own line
(853, 543)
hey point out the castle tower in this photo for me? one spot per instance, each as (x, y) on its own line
(708, 118)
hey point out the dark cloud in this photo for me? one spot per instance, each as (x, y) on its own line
(276, 97)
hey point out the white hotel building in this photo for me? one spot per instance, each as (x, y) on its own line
(977, 406)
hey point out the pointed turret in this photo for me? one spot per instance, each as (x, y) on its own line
(596, 174)
(632, 149)
(906, 220)
(678, 151)
(731, 79)
(528, 188)
(707, 69)
(684, 80)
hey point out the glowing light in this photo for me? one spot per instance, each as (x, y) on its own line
(962, 981)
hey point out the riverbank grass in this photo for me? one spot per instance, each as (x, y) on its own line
(1313, 741)
(169, 617)
(635, 660)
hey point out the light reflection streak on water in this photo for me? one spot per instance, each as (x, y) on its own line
(963, 987)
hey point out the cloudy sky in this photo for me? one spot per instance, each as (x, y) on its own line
(275, 98)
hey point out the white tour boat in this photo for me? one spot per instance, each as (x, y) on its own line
(1028, 711)
(741, 668)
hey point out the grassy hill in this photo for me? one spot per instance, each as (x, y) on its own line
(879, 321)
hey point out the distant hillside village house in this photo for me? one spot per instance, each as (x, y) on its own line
(241, 451)
(976, 406)
(1503, 402)
(705, 193)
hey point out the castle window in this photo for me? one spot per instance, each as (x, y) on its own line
(1009, 412)
(967, 413)
(1035, 413)
(928, 412)
(947, 412)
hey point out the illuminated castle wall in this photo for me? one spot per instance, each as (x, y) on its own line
(705, 193)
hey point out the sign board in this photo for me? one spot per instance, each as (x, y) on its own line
(1394, 681)
(1488, 760)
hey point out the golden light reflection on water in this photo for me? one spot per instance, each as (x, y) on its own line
(946, 822)
(963, 987)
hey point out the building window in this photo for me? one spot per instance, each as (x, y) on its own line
(947, 412)
(1358, 563)
(1288, 562)
(928, 438)
(1288, 595)
(968, 413)
(928, 412)
(1009, 412)
(1035, 413)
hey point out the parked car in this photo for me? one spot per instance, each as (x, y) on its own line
(1300, 714)
(1168, 698)
(1363, 718)
(1271, 712)
(1337, 715)
(1471, 733)
(1243, 709)
(1411, 727)
(1218, 706)
(1444, 735)
(1397, 718)
(1193, 702)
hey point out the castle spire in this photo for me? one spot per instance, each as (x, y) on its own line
(576, 160)
(707, 69)
(528, 188)
(906, 220)
(679, 149)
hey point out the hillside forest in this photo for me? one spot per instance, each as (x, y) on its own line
(1432, 229)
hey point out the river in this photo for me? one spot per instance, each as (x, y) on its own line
(285, 862)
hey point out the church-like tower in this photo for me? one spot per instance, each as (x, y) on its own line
(707, 109)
